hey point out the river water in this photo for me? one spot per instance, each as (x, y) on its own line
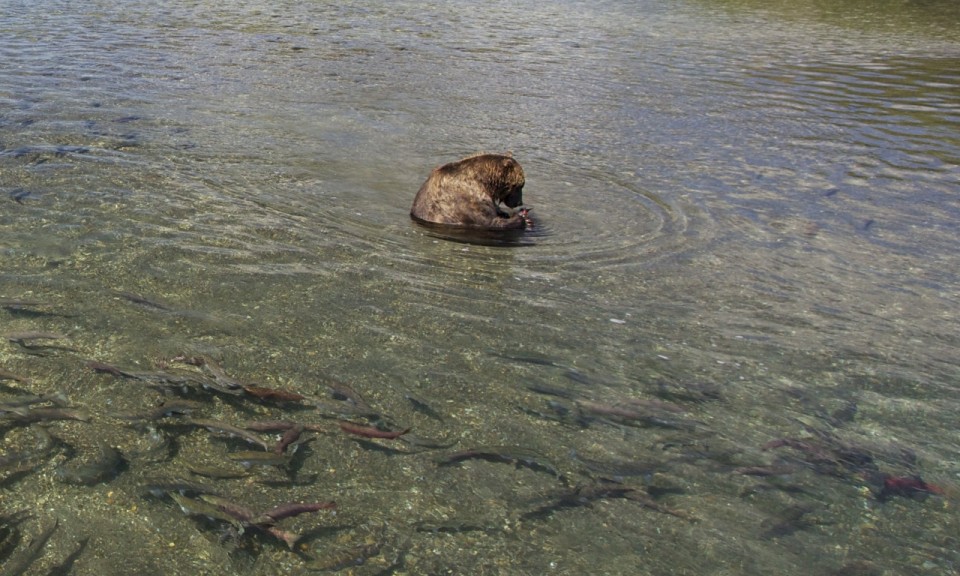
(734, 323)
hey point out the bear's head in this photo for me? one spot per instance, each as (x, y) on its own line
(509, 181)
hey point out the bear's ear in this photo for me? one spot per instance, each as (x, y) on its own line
(508, 154)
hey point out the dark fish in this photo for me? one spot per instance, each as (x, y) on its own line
(371, 432)
(231, 508)
(270, 425)
(143, 301)
(551, 391)
(622, 413)
(25, 338)
(19, 563)
(194, 507)
(858, 568)
(246, 517)
(828, 455)
(66, 567)
(455, 527)
(634, 415)
(33, 335)
(19, 194)
(176, 408)
(508, 454)
(290, 510)
(288, 538)
(101, 469)
(274, 394)
(688, 391)
(578, 377)
(160, 488)
(191, 380)
(17, 461)
(15, 303)
(57, 399)
(906, 486)
(779, 470)
(535, 360)
(4, 375)
(340, 409)
(10, 534)
(288, 438)
(158, 446)
(224, 382)
(13, 464)
(254, 458)
(110, 369)
(346, 557)
(28, 414)
(344, 393)
(786, 522)
(216, 472)
(177, 381)
(223, 428)
(558, 412)
(184, 359)
(423, 408)
(844, 414)
(582, 495)
(427, 443)
(28, 342)
(31, 308)
(14, 519)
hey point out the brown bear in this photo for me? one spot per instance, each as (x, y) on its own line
(467, 193)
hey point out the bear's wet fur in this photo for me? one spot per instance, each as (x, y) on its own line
(468, 193)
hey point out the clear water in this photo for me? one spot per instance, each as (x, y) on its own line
(746, 232)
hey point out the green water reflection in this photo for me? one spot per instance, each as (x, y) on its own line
(936, 18)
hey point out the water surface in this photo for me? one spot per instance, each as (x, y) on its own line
(737, 317)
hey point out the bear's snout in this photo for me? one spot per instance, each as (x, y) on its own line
(514, 199)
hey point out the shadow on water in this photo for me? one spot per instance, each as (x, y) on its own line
(482, 237)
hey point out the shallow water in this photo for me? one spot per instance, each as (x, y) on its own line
(746, 232)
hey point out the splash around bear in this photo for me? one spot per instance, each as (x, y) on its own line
(468, 193)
